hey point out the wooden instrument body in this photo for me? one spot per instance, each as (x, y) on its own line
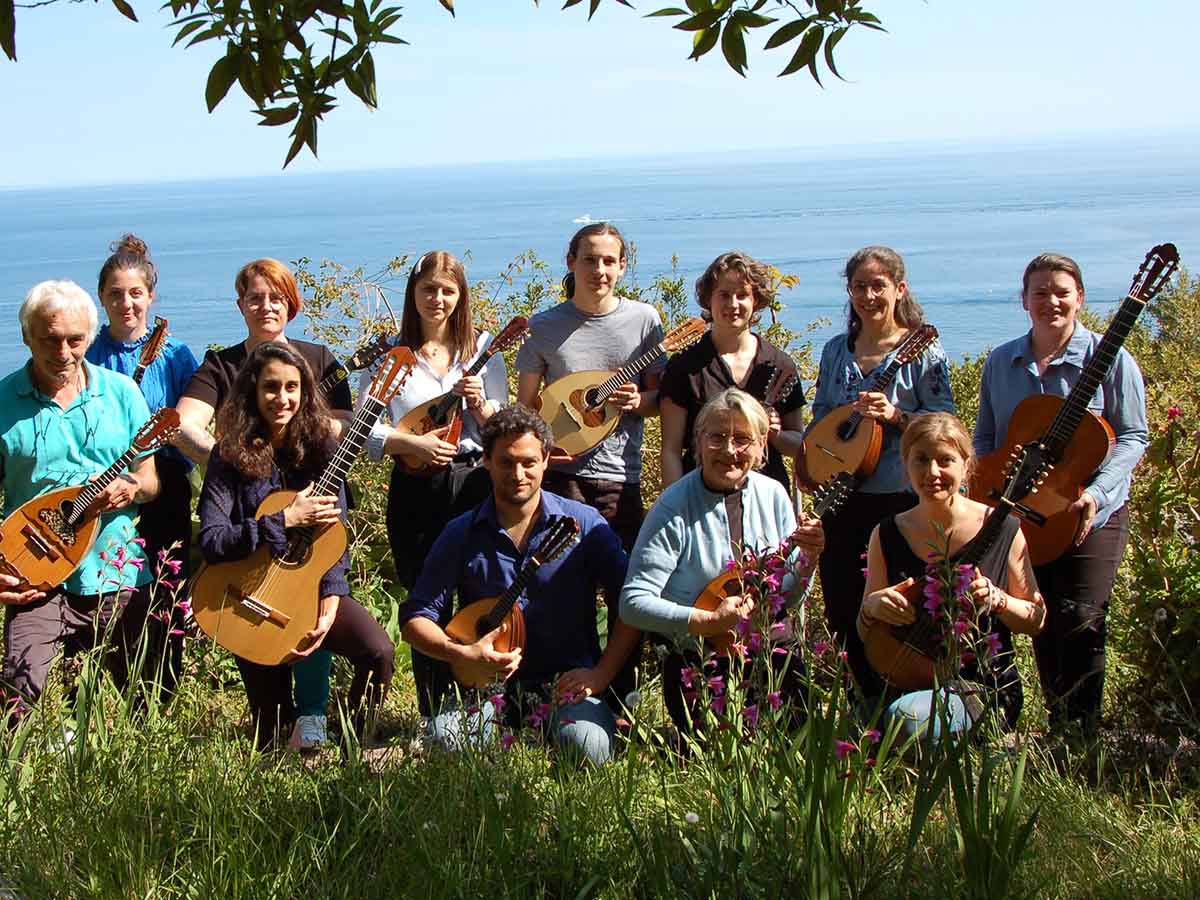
(727, 584)
(1084, 454)
(826, 453)
(423, 419)
(39, 547)
(577, 426)
(902, 660)
(288, 591)
(464, 629)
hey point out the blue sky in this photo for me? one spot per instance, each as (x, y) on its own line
(97, 99)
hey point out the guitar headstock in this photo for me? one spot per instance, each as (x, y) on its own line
(1027, 468)
(1154, 273)
(510, 335)
(158, 431)
(780, 387)
(559, 536)
(916, 343)
(155, 343)
(393, 372)
(832, 494)
(684, 335)
(366, 355)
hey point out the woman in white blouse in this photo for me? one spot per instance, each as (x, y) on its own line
(437, 325)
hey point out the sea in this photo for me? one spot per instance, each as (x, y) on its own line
(965, 217)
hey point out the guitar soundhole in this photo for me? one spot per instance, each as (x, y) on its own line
(592, 397)
(297, 553)
(847, 429)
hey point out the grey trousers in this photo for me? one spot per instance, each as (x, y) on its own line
(68, 623)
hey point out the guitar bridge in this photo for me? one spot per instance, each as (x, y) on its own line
(256, 607)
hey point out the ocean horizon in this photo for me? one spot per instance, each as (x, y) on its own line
(966, 218)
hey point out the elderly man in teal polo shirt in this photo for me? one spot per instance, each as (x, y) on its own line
(62, 422)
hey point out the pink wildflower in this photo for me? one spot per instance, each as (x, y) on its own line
(960, 627)
(174, 565)
(141, 542)
(738, 649)
(750, 714)
(993, 645)
(872, 735)
(777, 603)
(742, 628)
(754, 643)
(184, 607)
(1173, 413)
(774, 700)
(842, 749)
(687, 676)
(718, 705)
(136, 561)
(507, 740)
(820, 647)
(716, 684)
(731, 565)
(498, 702)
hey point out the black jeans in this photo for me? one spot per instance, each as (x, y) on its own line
(1070, 650)
(354, 635)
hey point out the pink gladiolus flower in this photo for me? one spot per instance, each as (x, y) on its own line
(993, 645)
(184, 606)
(716, 684)
(777, 603)
(754, 643)
(175, 632)
(141, 542)
(968, 657)
(842, 749)
(731, 565)
(750, 714)
(174, 565)
(774, 700)
(1173, 413)
(507, 740)
(742, 628)
(472, 709)
(498, 702)
(777, 629)
(820, 647)
(104, 555)
(738, 649)
(718, 705)
(136, 561)
(960, 627)
(687, 676)
(872, 735)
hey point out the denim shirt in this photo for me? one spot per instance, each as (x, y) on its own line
(475, 558)
(1011, 374)
(920, 386)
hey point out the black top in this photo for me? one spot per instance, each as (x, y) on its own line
(697, 374)
(1001, 674)
(216, 374)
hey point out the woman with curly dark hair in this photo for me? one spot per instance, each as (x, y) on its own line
(276, 435)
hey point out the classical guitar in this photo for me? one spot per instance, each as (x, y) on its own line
(151, 349)
(476, 619)
(576, 406)
(364, 356)
(909, 657)
(845, 440)
(827, 498)
(45, 539)
(1064, 434)
(261, 607)
(444, 414)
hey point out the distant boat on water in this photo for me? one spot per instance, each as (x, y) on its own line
(585, 219)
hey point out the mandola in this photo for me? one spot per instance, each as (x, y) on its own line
(576, 406)
(45, 539)
(908, 657)
(261, 607)
(444, 414)
(151, 349)
(845, 441)
(1064, 434)
(364, 356)
(828, 496)
(476, 619)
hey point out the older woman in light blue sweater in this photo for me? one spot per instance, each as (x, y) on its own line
(701, 523)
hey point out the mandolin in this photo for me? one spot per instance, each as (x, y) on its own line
(1071, 440)
(576, 406)
(827, 498)
(845, 440)
(444, 414)
(150, 350)
(476, 619)
(261, 607)
(364, 356)
(911, 657)
(45, 539)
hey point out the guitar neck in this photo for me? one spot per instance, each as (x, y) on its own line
(139, 373)
(1072, 411)
(93, 489)
(353, 441)
(333, 379)
(627, 372)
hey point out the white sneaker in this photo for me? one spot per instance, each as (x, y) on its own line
(309, 733)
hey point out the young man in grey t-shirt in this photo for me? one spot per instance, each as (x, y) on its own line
(597, 329)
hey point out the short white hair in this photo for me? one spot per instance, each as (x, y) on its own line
(50, 297)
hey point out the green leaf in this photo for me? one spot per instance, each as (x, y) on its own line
(299, 135)
(278, 115)
(8, 29)
(366, 72)
(788, 32)
(705, 40)
(701, 21)
(187, 29)
(125, 9)
(221, 77)
(747, 19)
(829, 45)
(733, 46)
(697, 6)
(669, 11)
(806, 52)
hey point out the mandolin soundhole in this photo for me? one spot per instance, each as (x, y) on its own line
(56, 521)
(592, 397)
(847, 429)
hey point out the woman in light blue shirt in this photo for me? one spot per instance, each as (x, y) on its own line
(880, 314)
(696, 528)
(1049, 359)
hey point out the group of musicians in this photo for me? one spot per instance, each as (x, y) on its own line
(463, 522)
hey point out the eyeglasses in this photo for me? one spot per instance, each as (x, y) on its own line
(258, 301)
(719, 440)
